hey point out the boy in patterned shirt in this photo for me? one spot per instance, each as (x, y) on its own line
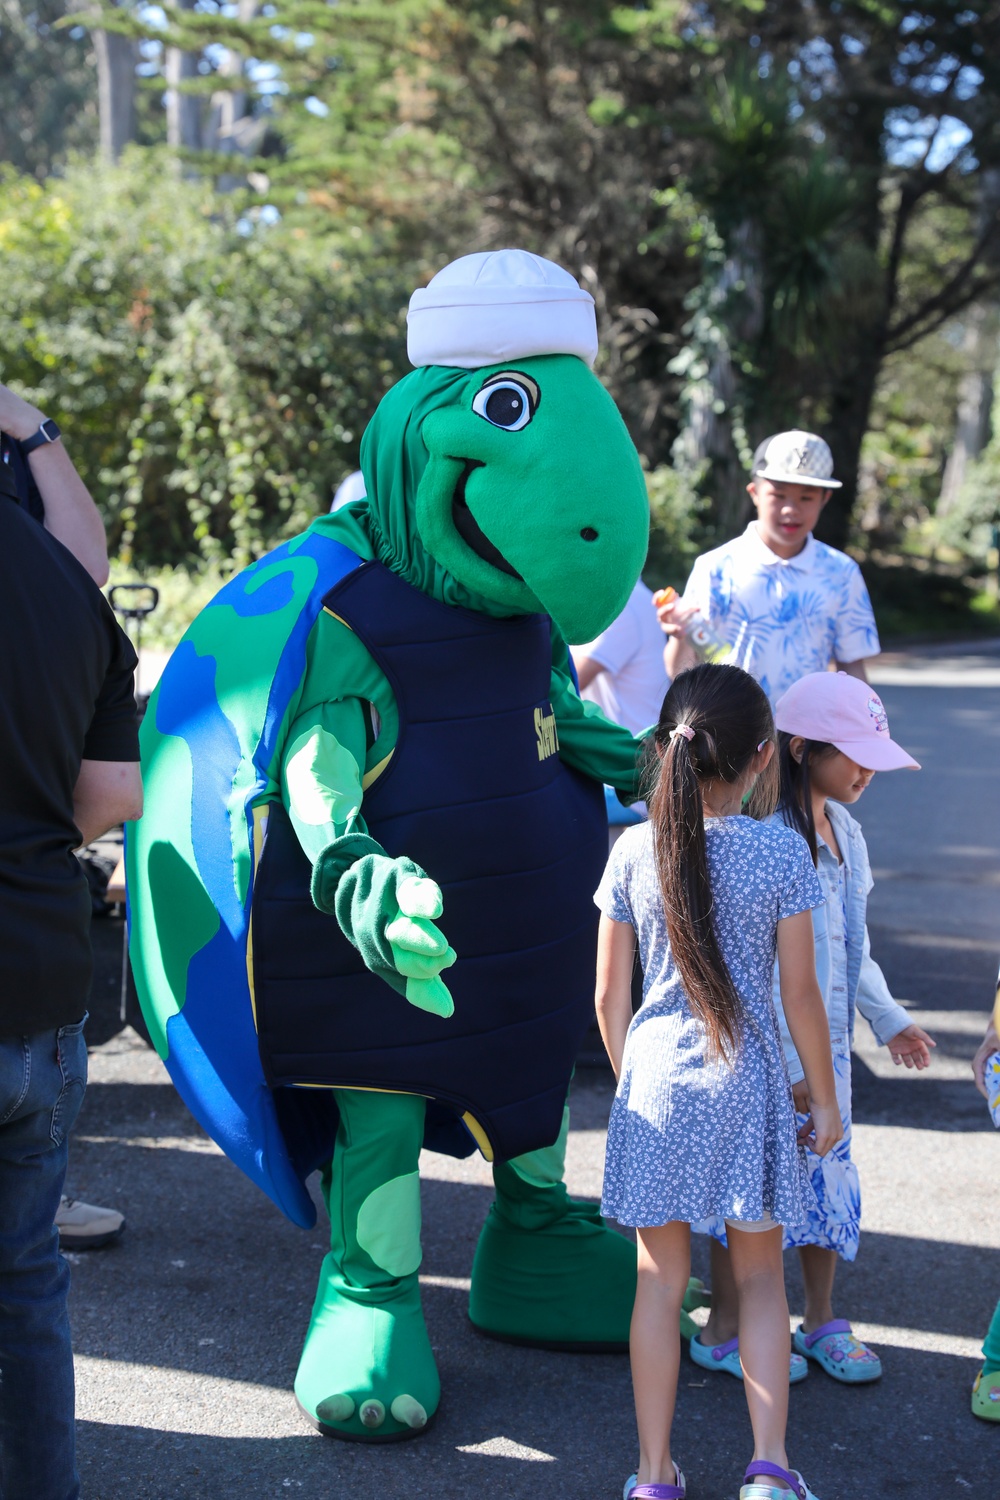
(786, 603)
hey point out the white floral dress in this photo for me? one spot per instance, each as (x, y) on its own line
(690, 1139)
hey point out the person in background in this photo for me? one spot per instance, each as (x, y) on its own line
(833, 737)
(69, 770)
(37, 474)
(622, 669)
(786, 603)
(986, 1390)
(36, 470)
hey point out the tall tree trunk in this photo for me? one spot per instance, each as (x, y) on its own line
(116, 59)
(232, 129)
(850, 406)
(975, 390)
(714, 412)
(853, 390)
(183, 110)
(975, 399)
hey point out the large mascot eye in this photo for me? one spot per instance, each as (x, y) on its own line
(507, 401)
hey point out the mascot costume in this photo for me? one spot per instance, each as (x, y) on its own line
(367, 767)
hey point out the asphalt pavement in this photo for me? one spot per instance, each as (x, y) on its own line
(187, 1331)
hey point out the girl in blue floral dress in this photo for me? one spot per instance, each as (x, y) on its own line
(834, 735)
(703, 1122)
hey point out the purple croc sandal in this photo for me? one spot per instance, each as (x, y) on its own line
(635, 1491)
(725, 1359)
(840, 1352)
(755, 1486)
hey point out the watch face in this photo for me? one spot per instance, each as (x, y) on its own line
(49, 430)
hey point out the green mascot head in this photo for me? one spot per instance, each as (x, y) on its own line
(499, 473)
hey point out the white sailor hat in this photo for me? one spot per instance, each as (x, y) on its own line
(500, 305)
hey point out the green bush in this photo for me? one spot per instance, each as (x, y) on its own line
(928, 601)
(213, 384)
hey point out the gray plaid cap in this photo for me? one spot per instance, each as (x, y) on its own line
(797, 458)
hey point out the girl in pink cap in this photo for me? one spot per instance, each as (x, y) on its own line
(833, 737)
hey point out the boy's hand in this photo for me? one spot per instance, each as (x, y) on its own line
(911, 1047)
(672, 614)
(823, 1129)
(989, 1044)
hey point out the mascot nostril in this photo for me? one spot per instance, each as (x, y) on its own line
(389, 768)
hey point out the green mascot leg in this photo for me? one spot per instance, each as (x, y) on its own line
(548, 1271)
(367, 1371)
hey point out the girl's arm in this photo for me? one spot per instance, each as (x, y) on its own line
(907, 1042)
(807, 1023)
(615, 954)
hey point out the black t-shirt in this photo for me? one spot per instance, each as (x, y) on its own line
(66, 695)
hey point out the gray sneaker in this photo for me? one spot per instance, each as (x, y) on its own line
(82, 1226)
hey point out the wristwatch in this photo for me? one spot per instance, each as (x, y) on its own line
(48, 432)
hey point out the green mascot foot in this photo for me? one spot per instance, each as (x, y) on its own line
(367, 1373)
(548, 1271)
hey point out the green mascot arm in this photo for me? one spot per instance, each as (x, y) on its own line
(386, 907)
(587, 740)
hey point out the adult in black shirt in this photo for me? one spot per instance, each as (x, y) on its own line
(68, 772)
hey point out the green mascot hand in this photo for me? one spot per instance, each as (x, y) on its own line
(388, 909)
(419, 948)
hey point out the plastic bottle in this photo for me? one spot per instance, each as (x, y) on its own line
(704, 639)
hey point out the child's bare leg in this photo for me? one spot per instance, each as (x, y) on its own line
(764, 1337)
(724, 1315)
(655, 1343)
(819, 1267)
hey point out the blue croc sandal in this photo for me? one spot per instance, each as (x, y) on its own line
(725, 1359)
(635, 1491)
(755, 1486)
(840, 1353)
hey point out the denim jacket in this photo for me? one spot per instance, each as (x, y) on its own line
(849, 978)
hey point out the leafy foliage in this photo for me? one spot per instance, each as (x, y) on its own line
(48, 87)
(782, 210)
(213, 386)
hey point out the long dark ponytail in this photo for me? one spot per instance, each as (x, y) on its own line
(795, 799)
(713, 720)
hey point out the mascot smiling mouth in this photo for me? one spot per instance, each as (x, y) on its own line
(468, 527)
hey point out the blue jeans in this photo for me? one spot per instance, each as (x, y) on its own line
(42, 1081)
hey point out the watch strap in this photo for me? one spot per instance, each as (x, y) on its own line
(48, 432)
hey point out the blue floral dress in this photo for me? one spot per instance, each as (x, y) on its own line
(691, 1139)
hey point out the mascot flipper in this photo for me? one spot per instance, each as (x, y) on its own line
(361, 896)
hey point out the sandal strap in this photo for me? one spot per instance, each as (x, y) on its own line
(775, 1471)
(838, 1325)
(720, 1351)
(656, 1492)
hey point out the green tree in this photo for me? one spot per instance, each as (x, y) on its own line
(769, 201)
(48, 87)
(213, 383)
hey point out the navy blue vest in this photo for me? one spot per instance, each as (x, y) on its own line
(476, 794)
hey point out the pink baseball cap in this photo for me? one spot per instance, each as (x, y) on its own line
(843, 711)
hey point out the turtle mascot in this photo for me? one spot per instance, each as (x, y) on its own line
(367, 767)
